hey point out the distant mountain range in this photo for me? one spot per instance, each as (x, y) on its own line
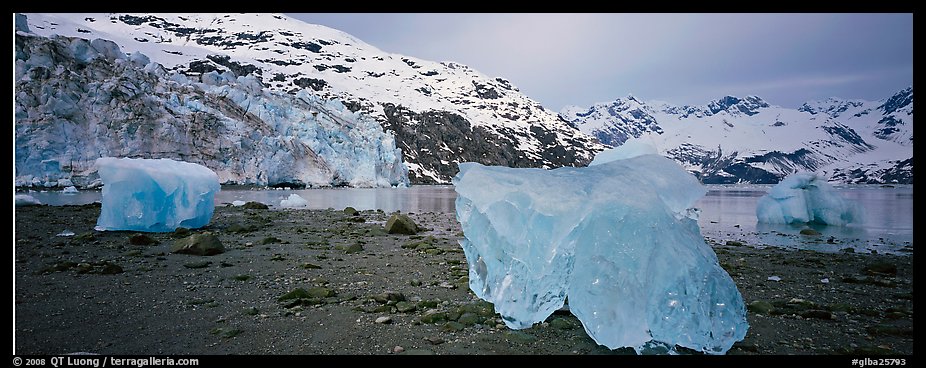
(438, 113)
(733, 140)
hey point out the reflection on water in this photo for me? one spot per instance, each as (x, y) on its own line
(424, 198)
(727, 212)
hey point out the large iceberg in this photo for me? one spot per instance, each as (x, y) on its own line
(806, 197)
(619, 239)
(155, 195)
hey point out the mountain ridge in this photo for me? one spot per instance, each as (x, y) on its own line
(732, 139)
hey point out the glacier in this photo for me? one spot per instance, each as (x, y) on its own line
(805, 197)
(78, 100)
(618, 239)
(155, 195)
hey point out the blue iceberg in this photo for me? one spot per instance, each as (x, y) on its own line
(155, 195)
(618, 239)
(806, 197)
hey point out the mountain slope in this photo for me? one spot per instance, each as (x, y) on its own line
(441, 113)
(734, 139)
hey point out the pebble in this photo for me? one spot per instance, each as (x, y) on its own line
(398, 349)
(384, 320)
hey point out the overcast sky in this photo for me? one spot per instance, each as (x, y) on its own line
(580, 59)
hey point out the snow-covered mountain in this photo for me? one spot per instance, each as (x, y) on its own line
(734, 139)
(439, 113)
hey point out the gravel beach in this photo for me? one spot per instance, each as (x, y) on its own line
(334, 282)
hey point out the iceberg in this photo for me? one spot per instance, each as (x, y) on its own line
(806, 197)
(26, 200)
(618, 239)
(157, 195)
(294, 201)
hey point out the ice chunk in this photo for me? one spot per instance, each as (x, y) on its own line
(294, 201)
(617, 239)
(238, 203)
(631, 148)
(155, 195)
(66, 233)
(806, 197)
(70, 190)
(26, 200)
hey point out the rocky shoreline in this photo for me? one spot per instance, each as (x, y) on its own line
(335, 282)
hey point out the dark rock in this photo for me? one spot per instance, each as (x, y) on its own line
(353, 248)
(469, 319)
(433, 316)
(350, 211)
(420, 244)
(389, 296)
(425, 304)
(415, 282)
(255, 206)
(252, 311)
(109, 269)
(238, 228)
(311, 266)
(204, 244)
(880, 268)
(401, 224)
(200, 264)
(84, 238)
(295, 294)
(480, 308)
(734, 243)
(760, 307)
(180, 232)
(810, 232)
(321, 292)
(141, 239)
(405, 307)
(453, 326)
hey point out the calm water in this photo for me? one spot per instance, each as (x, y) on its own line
(727, 212)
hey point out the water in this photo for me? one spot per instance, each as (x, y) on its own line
(727, 212)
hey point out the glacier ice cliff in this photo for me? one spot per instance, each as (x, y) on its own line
(618, 239)
(77, 100)
(806, 197)
(155, 195)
